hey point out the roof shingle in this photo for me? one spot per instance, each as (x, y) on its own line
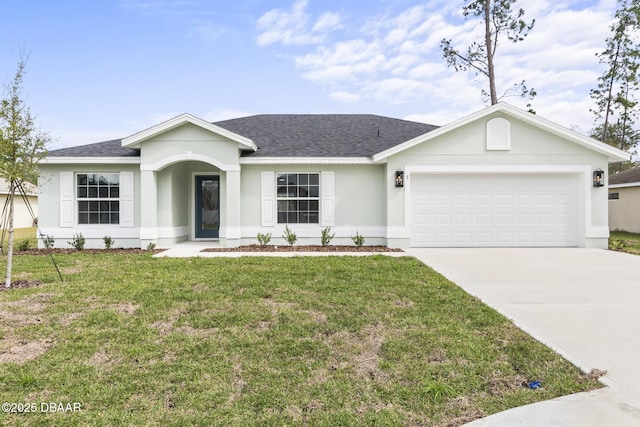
(323, 135)
(294, 135)
(111, 148)
(626, 177)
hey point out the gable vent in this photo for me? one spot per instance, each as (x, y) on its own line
(498, 134)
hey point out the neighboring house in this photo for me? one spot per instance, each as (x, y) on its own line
(624, 201)
(499, 177)
(22, 217)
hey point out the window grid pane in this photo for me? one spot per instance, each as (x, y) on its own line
(98, 198)
(298, 198)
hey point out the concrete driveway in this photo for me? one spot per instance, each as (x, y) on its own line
(583, 303)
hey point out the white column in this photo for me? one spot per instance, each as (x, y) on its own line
(233, 227)
(148, 207)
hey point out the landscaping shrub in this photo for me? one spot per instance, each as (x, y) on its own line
(326, 236)
(264, 239)
(358, 239)
(77, 242)
(289, 236)
(108, 242)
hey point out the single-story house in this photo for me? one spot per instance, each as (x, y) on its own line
(22, 217)
(624, 201)
(499, 177)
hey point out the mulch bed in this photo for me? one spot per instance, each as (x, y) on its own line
(306, 248)
(20, 284)
(86, 251)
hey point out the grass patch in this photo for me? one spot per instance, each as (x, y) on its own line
(20, 236)
(263, 341)
(625, 242)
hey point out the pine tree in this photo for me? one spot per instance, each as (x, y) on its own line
(616, 95)
(499, 19)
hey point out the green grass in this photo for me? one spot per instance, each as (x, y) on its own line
(624, 241)
(262, 341)
(21, 235)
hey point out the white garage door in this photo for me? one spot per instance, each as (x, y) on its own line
(494, 210)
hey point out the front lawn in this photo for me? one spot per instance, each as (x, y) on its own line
(626, 242)
(136, 340)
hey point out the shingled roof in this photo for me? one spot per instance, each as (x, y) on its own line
(323, 135)
(111, 148)
(294, 135)
(629, 176)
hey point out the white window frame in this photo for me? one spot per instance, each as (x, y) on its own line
(317, 198)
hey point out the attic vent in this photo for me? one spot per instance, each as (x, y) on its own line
(498, 134)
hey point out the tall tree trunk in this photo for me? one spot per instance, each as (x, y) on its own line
(614, 72)
(489, 45)
(7, 281)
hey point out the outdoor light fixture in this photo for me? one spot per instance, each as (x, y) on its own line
(399, 178)
(598, 178)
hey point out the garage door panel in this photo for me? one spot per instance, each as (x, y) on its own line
(494, 210)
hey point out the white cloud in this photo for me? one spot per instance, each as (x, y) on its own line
(293, 27)
(327, 21)
(344, 61)
(395, 58)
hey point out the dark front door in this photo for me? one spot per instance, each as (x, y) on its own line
(207, 207)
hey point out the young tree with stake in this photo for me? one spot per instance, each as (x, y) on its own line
(22, 146)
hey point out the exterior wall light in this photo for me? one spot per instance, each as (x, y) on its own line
(399, 178)
(598, 178)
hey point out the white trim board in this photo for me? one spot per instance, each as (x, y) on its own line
(627, 185)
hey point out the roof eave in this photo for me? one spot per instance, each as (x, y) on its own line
(306, 161)
(90, 160)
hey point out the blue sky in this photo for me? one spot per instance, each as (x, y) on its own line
(100, 70)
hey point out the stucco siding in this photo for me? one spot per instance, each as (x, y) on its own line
(360, 204)
(188, 140)
(624, 213)
(532, 149)
(49, 201)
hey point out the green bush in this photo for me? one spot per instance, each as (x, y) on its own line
(77, 242)
(264, 239)
(289, 236)
(108, 242)
(151, 246)
(326, 236)
(48, 241)
(23, 245)
(358, 239)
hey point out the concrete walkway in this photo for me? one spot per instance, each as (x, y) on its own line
(194, 249)
(583, 303)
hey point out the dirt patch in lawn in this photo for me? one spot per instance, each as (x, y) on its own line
(304, 248)
(19, 352)
(20, 284)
